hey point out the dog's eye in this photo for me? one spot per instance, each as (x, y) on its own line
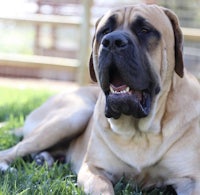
(105, 31)
(144, 30)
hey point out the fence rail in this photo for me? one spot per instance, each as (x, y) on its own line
(78, 65)
(53, 20)
(191, 34)
(35, 61)
(52, 63)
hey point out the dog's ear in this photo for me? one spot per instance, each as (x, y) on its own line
(91, 68)
(179, 66)
(91, 65)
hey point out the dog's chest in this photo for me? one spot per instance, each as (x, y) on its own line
(126, 152)
(137, 149)
(145, 178)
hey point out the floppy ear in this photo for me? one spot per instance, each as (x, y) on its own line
(91, 65)
(179, 66)
(91, 68)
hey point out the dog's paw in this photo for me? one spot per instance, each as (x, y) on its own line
(44, 157)
(5, 167)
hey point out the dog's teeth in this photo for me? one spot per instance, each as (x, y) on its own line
(119, 92)
(127, 89)
(112, 90)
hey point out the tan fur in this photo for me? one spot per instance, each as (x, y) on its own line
(160, 149)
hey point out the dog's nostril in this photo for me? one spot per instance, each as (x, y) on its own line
(115, 40)
(114, 43)
(120, 43)
(106, 42)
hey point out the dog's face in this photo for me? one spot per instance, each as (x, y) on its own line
(134, 50)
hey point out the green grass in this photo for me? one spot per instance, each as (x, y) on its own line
(29, 178)
(15, 105)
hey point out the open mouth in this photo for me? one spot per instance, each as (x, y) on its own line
(142, 98)
(124, 99)
(124, 89)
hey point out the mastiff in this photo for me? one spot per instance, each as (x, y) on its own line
(142, 121)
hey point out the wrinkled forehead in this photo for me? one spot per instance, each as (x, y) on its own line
(124, 17)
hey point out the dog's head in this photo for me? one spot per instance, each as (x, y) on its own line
(135, 49)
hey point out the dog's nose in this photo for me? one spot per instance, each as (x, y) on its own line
(114, 41)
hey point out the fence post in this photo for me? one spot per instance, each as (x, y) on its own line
(83, 76)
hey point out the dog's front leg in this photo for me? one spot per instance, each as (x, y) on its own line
(196, 190)
(188, 186)
(22, 148)
(47, 134)
(35, 142)
(94, 181)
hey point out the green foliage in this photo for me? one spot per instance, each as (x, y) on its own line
(130, 187)
(28, 178)
(15, 105)
(38, 180)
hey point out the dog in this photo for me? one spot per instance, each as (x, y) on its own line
(142, 121)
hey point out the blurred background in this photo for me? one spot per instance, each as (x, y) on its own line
(51, 39)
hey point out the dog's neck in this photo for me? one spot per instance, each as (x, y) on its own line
(128, 126)
(124, 126)
(152, 123)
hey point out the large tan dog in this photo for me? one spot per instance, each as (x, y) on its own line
(144, 121)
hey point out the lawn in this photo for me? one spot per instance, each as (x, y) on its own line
(29, 178)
